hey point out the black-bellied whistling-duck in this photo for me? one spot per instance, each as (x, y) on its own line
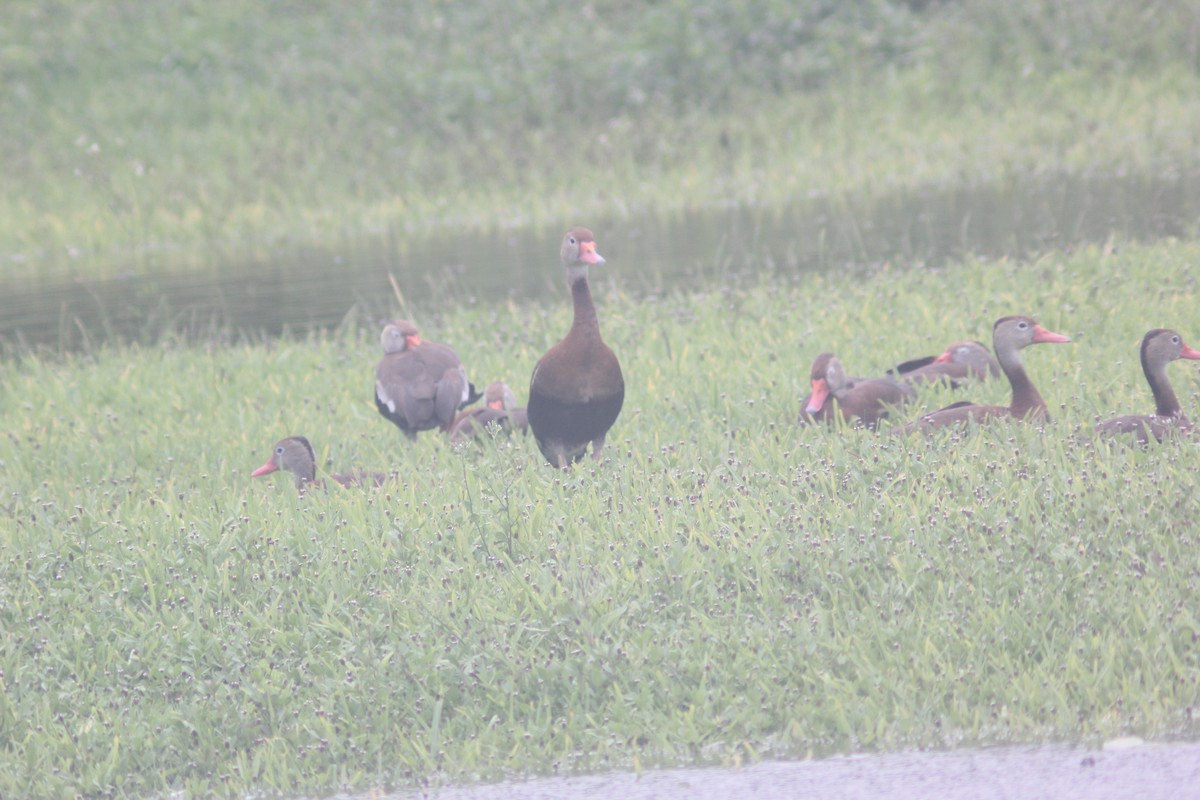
(864, 399)
(960, 361)
(419, 385)
(827, 411)
(1159, 348)
(577, 389)
(500, 409)
(295, 455)
(1009, 336)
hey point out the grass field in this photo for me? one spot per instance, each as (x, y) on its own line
(725, 586)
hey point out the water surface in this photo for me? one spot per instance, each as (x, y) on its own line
(306, 288)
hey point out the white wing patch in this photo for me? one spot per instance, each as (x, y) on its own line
(381, 393)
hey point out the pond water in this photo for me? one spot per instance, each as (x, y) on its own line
(1130, 769)
(306, 288)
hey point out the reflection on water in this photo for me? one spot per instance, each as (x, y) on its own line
(309, 288)
(1053, 772)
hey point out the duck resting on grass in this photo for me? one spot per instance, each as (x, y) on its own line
(295, 455)
(1159, 348)
(499, 411)
(1009, 336)
(862, 401)
(960, 361)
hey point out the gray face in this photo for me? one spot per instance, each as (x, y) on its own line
(396, 336)
(1166, 346)
(577, 252)
(835, 375)
(296, 456)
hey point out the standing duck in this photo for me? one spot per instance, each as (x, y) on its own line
(960, 361)
(835, 395)
(1009, 336)
(577, 389)
(419, 385)
(295, 455)
(500, 409)
(1159, 348)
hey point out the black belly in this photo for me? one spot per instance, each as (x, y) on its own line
(571, 425)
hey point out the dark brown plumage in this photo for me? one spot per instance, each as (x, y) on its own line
(576, 391)
(1009, 336)
(862, 400)
(419, 385)
(499, 411)
(1159, 348)
(827, 412)
(295, 455)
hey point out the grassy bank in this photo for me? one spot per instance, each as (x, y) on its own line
(726, 585)
(137, 138)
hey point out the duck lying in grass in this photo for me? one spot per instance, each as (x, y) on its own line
(499, 411)
(863, 401)
(960, 361)
(295, 455)
(1009, 336)
(1159, 348)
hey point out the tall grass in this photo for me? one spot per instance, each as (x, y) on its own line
(725, 585)
(138, 137)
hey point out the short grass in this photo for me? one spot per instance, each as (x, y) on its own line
(724, 586)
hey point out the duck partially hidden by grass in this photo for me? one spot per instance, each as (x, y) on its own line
(499, 412)
(1159, 348)
(863, 401)
(295, 455)
(1009, 336)
(961, 361)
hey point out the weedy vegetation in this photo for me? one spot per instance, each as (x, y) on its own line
(725, 585)
(139, 138)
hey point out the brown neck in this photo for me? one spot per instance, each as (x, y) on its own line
(585, 324)
(1025, 397)
(1166, 404)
